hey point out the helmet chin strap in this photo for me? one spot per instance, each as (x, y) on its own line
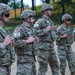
(47, 14)
(2, 18)
(30, 21)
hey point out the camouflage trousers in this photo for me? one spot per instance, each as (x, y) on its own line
(66, 53)
(45, 57)
(5, 70)
(26, 65)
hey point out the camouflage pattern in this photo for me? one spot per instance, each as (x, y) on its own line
(64, 49)
(5, 70)
(27, 13)
(46, 6)
(25, 52)
(4, 8)
(7, 53)
(26, 65)
(46, 52)
(74, 34)
(66, 16)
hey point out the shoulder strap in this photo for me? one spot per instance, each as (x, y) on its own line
(1, 33)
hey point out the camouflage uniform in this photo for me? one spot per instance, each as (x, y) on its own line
(46, 52)
(7, 53)
(25, 52)
(64, 47)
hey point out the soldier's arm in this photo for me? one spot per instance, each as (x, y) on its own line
(22, 39)
(5, 41)
(61, 34)
(17, 35)
(40, 30)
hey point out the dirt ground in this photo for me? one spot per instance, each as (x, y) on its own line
(14, 66)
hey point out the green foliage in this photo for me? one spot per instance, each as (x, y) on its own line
(38, 14)
(43, 1)
(56, 15)
(11, 26)
(4, 1)
(38, 8)
(17, 5)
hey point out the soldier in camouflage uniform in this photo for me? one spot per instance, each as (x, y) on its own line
(24, 45)
(7, 52)
(45, 30)
(64, 43)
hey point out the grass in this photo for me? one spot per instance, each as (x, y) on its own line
(10, 29)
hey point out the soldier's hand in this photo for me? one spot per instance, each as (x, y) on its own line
(55, 28)
(48, 28)
(73, 36)
(37, 39)
(30, 40)
(65, 35)
(8, 40)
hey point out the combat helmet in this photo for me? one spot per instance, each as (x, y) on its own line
(66, 16)
(27, 13)
(46, 6)
(4, 8)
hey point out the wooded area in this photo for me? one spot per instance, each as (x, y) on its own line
(63, 4)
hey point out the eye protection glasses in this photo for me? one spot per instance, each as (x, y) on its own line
(68, 19)
(33, 17)
(49, 9)
(7, 15)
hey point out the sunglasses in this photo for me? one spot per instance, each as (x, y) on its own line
(49, 9)
(33, 17)
(68, 19)
(7, 15)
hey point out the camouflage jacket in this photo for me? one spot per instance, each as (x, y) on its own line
(61, 31)
(25, 31)
(7, 53)
(40, 31)
(45, 36)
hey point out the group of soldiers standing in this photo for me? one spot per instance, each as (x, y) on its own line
(28, 41)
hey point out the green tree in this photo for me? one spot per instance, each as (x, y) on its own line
(33, 4)
(4, 1)
(15, 9)
(45, 1)
(63, 4)
(22, 6)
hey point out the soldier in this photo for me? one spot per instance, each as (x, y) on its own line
(64, 43)
(45, 30)
(7, 52)
(24, 44)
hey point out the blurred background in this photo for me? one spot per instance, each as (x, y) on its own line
(59, 8)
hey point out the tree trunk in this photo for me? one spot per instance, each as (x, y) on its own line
(74, 12)
(15, 9)
(47, 1)
(33, 7)
(63, 7)
(22, 7)
(4, 1)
